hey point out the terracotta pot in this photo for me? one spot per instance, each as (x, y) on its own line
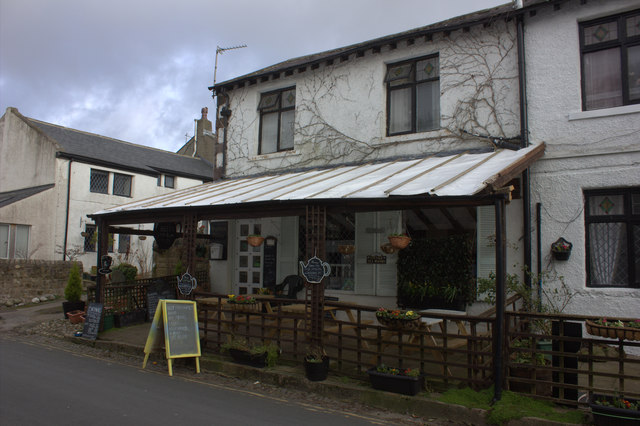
(255, 241)
(399, 242)
(76, 317)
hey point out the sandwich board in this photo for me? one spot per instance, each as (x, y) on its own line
(175, 322)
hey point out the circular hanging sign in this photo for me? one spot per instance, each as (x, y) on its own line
(315, 270)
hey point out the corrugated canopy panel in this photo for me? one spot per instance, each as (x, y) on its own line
(463, 174)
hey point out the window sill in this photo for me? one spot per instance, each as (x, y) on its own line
(608, 112)
(274, 155)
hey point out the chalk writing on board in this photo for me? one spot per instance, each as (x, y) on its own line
(315, 270)
(182, 329)
(92, 321)
(186, 284)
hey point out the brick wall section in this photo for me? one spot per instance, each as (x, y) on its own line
(26, 279)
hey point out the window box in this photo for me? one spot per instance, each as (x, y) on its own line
(396, 383)
(607, 410)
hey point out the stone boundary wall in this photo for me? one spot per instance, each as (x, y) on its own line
(26, 279)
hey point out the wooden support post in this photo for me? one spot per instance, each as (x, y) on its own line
(316, 217)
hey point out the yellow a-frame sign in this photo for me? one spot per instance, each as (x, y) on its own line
(177, 321)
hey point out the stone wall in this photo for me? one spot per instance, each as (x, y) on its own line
(26, 279)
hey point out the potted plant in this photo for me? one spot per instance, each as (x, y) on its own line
(73, 291)
(407, 381)
(561, 249)
(527, 364)
(399, 241)
(316, 364)
(253, 355)
(255, 240)
(398, 319)
(614, 410)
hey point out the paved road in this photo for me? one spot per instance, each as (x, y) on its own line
(46, 385)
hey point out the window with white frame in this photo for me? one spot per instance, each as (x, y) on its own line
(14, 241)
(413, 95)
(277, 113)
(612, 220)
(610, 49)
(122, 185)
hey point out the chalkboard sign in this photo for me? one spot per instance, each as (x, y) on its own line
(270, 262)
(160, 290)
(181, 334)
(315, 270)
(92, 321)
(186, 284)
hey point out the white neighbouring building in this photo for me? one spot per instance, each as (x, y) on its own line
(51, 177)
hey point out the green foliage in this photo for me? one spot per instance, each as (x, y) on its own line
(241, 344)
(179, 269)
(73, 290)
(510, 407)
(129, 271)
(437, 268)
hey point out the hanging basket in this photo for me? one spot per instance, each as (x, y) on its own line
(347, 249)
(561, 249)
(255, 240)
(399, 241)
(627, 333)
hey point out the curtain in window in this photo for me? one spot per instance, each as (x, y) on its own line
(608, 254)
(22, 242)
(400, 111)
(602, 79)
(4, 241)
(269, 137)
(286, 130)
(428, 106)
(633, 65)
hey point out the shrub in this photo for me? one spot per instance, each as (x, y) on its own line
(129, 271)
(73, 290)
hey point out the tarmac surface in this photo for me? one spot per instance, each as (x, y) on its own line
(45, 323)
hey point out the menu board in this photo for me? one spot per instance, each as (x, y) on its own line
(92, 321)
(270, 262)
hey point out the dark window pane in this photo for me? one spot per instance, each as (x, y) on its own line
(269, 137)
(633, 75)
(400, 111)
(428, 106)
(121, 185)
(277, 113)
(169, 181)
(99, 181)
(89, 238)
(124, 243)
(286, 130)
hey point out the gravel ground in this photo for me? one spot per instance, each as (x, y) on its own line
(44, 325)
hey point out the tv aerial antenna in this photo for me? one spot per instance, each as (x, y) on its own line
(221, 50)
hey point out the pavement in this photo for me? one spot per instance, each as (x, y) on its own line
(131, 341)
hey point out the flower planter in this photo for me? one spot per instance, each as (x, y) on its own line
(244, 307)
(627, 333)
(398, 241)
(255, 241)
(607, 415)
(560, 255)
(76, 317)
(399, 324)
(317, 371)
(405, 385)
(247, 358)
(72, 306)
(561, 249)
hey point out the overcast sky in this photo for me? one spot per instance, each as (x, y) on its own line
(139, 70)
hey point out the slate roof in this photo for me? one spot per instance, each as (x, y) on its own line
(11, 197)
(108, 152)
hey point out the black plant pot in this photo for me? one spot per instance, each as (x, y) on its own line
(395, 383)
(247, 358)
(561, 255)
(317, 371)
(72, 306)
(612, 416)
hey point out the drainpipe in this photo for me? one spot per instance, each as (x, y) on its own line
(66, 219)
(524, 138)
(539, 250)
(501, 268)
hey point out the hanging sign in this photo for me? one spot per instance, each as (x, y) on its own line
(105, 265)
(186, 284)
(175, 322)
(315, 270)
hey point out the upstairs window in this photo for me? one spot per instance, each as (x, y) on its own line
(99, 181)
(612, 219)
(277, 111)
(610, 49)
(413, 96)
(121, 185)
(169, 181)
